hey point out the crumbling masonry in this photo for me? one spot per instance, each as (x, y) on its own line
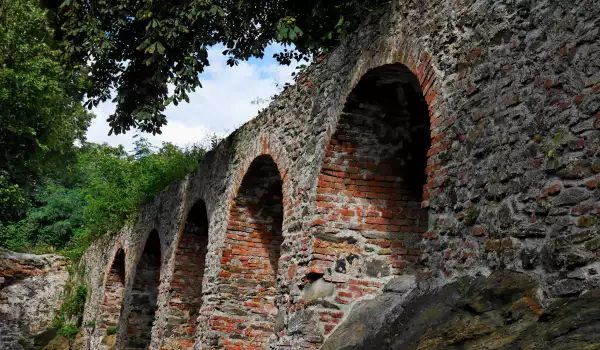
(450, 141)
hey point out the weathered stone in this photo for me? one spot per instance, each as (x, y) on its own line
(571, 196)
(318, 289)
(529, 258)
(587, 221)
(305, 323)
(530, 230)
(30, 297)
(377, 268)
(593, 245)
(400, 284)
(568, 287)
(500, 311)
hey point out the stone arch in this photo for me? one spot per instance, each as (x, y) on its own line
(186, 286)
(114, 288)
(144, 293)
(371, 184)
(249, 264)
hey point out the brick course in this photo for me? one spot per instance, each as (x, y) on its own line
(186, 286)
(114, 287)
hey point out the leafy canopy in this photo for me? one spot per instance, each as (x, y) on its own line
(151, 52)
(40, 110)
(104, 190)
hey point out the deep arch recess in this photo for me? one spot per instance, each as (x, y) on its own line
(249, 264)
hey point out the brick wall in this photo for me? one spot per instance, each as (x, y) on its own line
(513, 170)
(143, 295)
(370, 188)
(186, 286)
(250, 258)
(113, 291)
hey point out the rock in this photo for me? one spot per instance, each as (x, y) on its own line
(573, 257)
(497, 312)
(572, 196)
(593, 245)
(318, 289)
(530, 230)
(30, 296)
(529, 258)
(377, 268)
(568, 287)
(367, 317)
(400, 284)
(305, 322)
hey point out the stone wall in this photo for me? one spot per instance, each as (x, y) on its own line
(335, 193)
(31, 287)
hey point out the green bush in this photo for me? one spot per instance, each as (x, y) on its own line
(111, 330)
(68, 331)
(100, 193)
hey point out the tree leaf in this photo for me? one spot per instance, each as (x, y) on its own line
(160, 48)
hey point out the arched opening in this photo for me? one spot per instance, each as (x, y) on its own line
(144, 293)
(113, 292)
(372, 182)
(186, 286)
(250, 258)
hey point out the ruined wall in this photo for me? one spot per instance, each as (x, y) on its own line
(31, 287)
(509, 92)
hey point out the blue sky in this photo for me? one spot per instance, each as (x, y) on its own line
(222, 104)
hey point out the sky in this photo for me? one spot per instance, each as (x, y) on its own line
(222, 105)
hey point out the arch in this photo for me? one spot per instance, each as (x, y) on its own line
(144, 293)
(250, 258)
(186, 286)
(372, 182)
(114, 287)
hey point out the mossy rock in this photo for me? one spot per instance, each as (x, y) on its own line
(497, 312)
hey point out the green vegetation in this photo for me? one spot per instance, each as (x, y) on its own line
(553, 149)
(471, 216)
(111, 330)
(57, 191)
(100, 192)
(166, 42)
(69, 318)
(68, 331)
(71, 310)
(40, 110)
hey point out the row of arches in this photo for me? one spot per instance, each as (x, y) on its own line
(371, 180)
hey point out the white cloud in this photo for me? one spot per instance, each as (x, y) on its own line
(223, 103)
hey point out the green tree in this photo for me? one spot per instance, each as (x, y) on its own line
(116, 183)
(140, 47)
(40, 110)
(56, 219)
(103, 190)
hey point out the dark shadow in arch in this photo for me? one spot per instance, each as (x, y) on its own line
(251, 255)
(144, 293)
(389, 101)
(374, 171)
(113, 291)
(186, 285)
